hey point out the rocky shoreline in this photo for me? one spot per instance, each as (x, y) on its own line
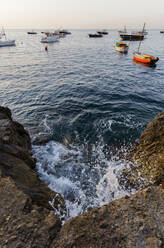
(28, 219)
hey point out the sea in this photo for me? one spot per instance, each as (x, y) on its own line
(90, 101)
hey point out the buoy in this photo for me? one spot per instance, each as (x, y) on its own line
(46, 48)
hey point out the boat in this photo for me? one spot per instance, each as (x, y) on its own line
(143, 57)
(96, 35)
(4, 41)
(131, 36)
(56, 32)
(64, 31)
(140, 35)
(59, 33)
(49, 38)
(7, 43)
(121, 47)
(104, 31)
(31, 32)
(162, 32)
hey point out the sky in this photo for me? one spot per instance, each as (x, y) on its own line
(81, 14)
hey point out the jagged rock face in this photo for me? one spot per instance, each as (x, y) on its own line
(26, 219)
(11, 132)
(150, 152)
(23, 224)
(149, 155)
(136, 221)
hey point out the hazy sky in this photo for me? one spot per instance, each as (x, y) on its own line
(81, 14)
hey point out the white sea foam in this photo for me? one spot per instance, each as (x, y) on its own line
(84, 177)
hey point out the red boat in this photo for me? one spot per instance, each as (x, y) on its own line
(145, 58)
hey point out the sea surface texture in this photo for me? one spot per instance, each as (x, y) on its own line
(92, 102)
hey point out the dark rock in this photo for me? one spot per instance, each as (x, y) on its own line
(148, 156)
(41, 140)
(27, 218)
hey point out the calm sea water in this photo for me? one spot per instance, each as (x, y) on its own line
(90, 99)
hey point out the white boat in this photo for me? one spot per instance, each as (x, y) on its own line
(121, 47)
(50, 38)
(4, 41)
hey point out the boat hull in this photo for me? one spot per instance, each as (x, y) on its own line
(121, 49)
(145, 59)
(51, 39)
(131, 37)
(31, 33)
(95, 35)
(7, 43)
(102, 32)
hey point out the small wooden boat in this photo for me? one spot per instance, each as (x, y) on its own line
(121, 47)
(96, 35)
(145, 58)
(105, 32)
(31, 32)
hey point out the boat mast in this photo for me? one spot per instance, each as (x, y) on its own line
(142, 33)
(3, 33)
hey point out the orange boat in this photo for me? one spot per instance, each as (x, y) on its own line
(142, 57)
(145, 58)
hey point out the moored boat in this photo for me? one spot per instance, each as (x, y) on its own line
(96, 35)
(4, 41)
(64, 31)
(49, 38)
(145, 58)
(131, 37)
(7, 43)
(121, 47)
(31, 32)
(134, 35)
(104, 31)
